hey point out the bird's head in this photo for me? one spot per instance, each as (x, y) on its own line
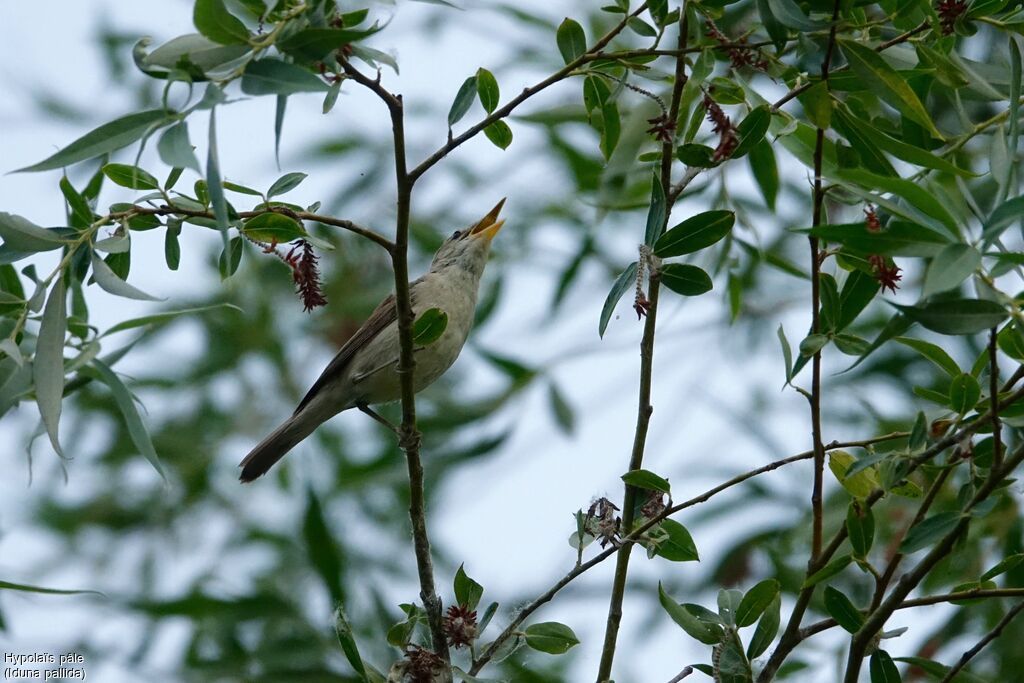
(467, 249)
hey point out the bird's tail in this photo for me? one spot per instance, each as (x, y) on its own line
(276, 445)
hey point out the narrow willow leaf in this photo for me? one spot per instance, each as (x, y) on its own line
(572, 42)
(216, 190)
(828, 571)
(787, 353)
(176, 149)
(932, 352)
(487, 90)
(107, 138)
(429, 326)
(81, 215)
(131, 177)
(1006, 214)
(951, 266)
(860, 528)
(48, 368)
(789, 14)
(313, 44)
(347, 640)
(215, 22)
(625, 280)
(883, 669)
(956, 316)
(695, 233)
(286, 183)
(645, 479)
(499, 133)
(914, 193)
(467, 591)
(751, 130)
(756, 601)
(23, 236)
(899, 238)
(776, 31)
(1004, 565)
(929, 531)
(765, 170)
(685, 279)
(167, 316)
(463, 101)
(133, 421)
(25, 588)
(656, 212)
(842, 610)
(321, 548)
(693, 626)
(172, 248)
(964, 393)
(767, 628)
(109, 281)
(551, 637)
(276, 77)
(887, 83)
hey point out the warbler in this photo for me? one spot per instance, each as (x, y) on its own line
(364, 372)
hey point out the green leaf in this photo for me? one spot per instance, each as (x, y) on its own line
(131, 177)
(321, 548)
(499, 133)
(565, 418)
(751, 130)
(1004, 215)
(132, 420)
(572, 42)
(172, 249)
(914, 193)
(679, 546)
(81, 213)
(766, 629)
(951, 266)
(831, 304)
(231, 257)
(48, 368)
(280, 107)
(765, 170)
(756, 601)
(929, 531)
(429, 326)
(25, 588)
(817, 104)
(887, 83)
(776, 31)
(214, 21)
(551, 637)
(286, 183)
(641, 27)
(107, 279)
(645, 479)
(1004, 565)
(166, 316)
(964, 393)
(313, 44)
(883, 669)
(107, 138)
(860, 528)
(899, 238)
(789, 14)
(467, 591)
(956, 316)
(938, 671)
(787, 353)
(216, 190)
(828, 571)
(347, 640)
(487, 90)
(860, 483)
(695, 233)
(463, 101)
(276, 77)
(625, 280)
(932, 352)
(24, 236)
(685, 279)
(812, 344)
(595, 93)
(693, 626)
(842, 610)
(611, 128)
(273, 227)
(656, 212)
(176, 149)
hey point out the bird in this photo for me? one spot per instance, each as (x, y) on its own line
(364, 371)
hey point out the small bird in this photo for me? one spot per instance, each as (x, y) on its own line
(365, 370)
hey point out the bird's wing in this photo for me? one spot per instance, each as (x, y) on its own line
(382, 316)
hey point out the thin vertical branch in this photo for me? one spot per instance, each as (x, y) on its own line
(644, 408)
(409, 436)
(989, 637)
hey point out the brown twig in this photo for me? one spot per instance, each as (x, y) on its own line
(988, 638)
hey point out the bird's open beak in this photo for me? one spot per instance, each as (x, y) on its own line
(488, 226)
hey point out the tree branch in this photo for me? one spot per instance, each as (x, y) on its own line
(989, 637)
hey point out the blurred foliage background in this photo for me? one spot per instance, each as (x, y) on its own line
(207, 581)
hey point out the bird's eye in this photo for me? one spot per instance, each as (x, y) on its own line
(457, 234)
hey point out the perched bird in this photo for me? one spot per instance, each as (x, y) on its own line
(364, 371)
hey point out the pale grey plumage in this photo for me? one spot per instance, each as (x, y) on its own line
(364, 370)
